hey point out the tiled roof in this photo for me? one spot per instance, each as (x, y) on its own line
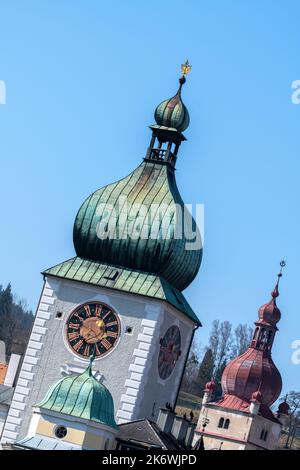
(232, 402)
(123, 279)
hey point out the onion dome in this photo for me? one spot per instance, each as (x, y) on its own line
(270, 313)
(172, 113)
(255, 370)
(256, 396)
(249, 372)
(284, 408)
(140, 222)
(136, 223)
(210, 386)
(81, 396)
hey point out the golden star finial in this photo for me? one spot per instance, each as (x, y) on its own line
(185, 68)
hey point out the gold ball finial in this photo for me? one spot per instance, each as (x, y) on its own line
(185, 68)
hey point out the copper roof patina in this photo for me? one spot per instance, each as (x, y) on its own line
(81, 396)
(123, 279)
(154, 239)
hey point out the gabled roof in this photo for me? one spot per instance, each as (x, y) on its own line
(123, 279)
(146, 433)
(231, 402)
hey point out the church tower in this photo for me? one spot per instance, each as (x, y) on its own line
(251, 383)
(137, 249)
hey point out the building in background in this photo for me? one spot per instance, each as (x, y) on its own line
(8, 376)
(242, 419)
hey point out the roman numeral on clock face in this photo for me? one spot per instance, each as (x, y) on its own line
(111, 334)
(106, 344)
(73, 336)
(112, 323)
(74, 325)
(87, 310)
(78, 345)
(98, 310)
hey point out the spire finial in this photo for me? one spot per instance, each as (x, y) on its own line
(275, 292)
(92, 358)
(185, 69)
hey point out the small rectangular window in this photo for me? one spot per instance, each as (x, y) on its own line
(112, 276)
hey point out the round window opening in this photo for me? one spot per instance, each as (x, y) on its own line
(60, 432)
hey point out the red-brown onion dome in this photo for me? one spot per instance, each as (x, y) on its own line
(254, 370)
(269, 313)
(210, 386)
(283, 408)
(256, 396)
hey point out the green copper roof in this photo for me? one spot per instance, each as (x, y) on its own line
(123, 279)
(81, 396)
(173, 113)
(153, 186)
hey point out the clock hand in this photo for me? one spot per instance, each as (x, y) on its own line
(96, 335)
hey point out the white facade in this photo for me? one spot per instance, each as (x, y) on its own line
(129, 371)
(245, 431)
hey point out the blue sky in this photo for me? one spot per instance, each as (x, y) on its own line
(83, 79)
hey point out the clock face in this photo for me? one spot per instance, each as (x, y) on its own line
(169, 352)
(92, 328)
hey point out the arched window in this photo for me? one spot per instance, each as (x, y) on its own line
(226, 425)
(221, 423)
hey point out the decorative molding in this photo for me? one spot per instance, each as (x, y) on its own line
(139, 367)
(33, 352)
(69, 369)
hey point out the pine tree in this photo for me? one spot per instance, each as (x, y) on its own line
(15, 322)
(205, 372)
(218, 377)
(6, 305)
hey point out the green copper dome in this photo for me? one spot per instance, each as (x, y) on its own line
(172, 113)
(141, 219)
(81, 396)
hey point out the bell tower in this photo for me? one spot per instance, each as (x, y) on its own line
(172, 118)
(121, 294)
(242, 419)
